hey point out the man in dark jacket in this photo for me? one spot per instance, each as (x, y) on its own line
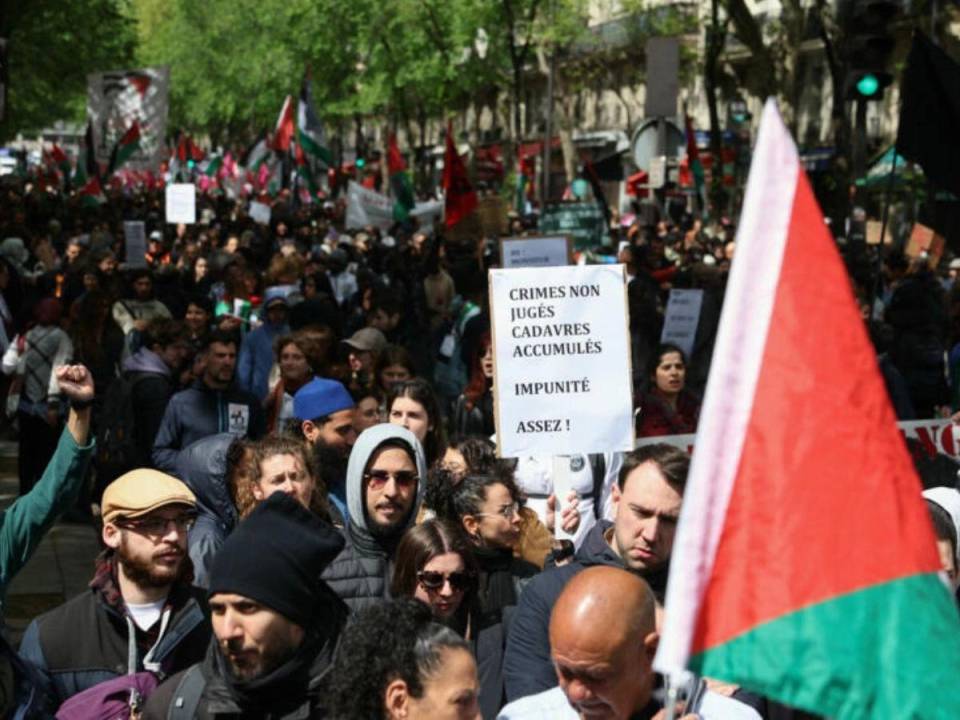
(646, 501)
(153, 371)
(276, 627)
(140, 613)
(386, 475)
(213, 405)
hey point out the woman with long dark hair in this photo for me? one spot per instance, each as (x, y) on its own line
(487, 507)
(668, 408)
(414, 405)
(434, 564)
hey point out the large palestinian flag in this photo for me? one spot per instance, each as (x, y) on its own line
(805, 566)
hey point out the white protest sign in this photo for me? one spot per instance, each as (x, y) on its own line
(260, 212)
(135, 239)
(681, 319)
(561, 360)
(519, 252)
(367, 207)
(181, 203)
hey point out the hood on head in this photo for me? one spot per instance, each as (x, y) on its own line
(368, 442)
(949, 499)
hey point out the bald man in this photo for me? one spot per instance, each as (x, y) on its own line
(603, 636)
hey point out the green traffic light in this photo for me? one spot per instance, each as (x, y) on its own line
(190, 164)
(868, 85)
(361, 162)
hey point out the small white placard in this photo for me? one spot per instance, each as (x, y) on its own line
(520, 252)
(181, 203)
(681, 319)
(135, 240)
(260, 212)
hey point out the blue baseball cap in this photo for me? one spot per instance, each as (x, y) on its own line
(321, 397)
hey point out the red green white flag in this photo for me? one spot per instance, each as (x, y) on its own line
(283, 134)
(805, 566)
(125, 148)
(404, 200)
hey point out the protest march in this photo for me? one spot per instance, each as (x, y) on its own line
(358, 424)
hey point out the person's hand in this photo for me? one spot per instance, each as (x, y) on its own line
(140, 325)
(229, 323)
(569, 516)
(76, 382)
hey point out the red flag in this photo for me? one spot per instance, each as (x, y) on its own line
(395, 161)
(799, 474)
(285, 126)
(460, 198)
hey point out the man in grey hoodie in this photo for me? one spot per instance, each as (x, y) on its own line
(386, 475)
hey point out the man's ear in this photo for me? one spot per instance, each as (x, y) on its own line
(650, 643)
(310, 431)
(111, 536)
(396, 700)
(615, 496)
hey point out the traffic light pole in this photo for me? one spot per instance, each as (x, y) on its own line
(860, 139)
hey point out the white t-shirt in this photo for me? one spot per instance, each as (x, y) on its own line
(146, 616)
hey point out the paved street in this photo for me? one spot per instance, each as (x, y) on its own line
(59, 569)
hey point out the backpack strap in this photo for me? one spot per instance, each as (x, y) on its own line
(186, 696)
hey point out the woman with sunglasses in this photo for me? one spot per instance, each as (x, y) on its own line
(434, 564)
(487, 507)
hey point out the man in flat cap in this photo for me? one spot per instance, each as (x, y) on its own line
(140, 612)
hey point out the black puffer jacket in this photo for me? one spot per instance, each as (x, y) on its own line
(361, 573)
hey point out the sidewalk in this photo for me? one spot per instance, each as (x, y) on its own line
(60, 568)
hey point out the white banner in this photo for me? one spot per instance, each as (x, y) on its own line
(519, 252)
(562, 360)
(116, 99)
(367, 207)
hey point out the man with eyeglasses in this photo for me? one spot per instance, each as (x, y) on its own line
(140, 612)
(385, 482)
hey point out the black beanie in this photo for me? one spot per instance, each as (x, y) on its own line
(276, 556)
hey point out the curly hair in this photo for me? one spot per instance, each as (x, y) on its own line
(242, 484)
(395, 640)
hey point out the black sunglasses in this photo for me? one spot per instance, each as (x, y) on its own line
(378, 478)
(434, 580)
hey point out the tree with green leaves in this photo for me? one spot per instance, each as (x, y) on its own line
(52, 47)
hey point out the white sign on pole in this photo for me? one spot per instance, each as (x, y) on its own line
(366, 207)
(561, 360)
(520, 252)
(260, 212)
(681, 319)
(658, 172)
(181, 203)
(135, 239)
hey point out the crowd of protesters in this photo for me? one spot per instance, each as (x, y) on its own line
(283, 433)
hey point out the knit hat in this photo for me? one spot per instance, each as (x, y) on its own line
(142, 491)
(275, 557)
(319, 398)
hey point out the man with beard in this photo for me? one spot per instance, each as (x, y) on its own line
(213, 404)
(385, 482)
(323, 412)
(275, 625)
(140, 612)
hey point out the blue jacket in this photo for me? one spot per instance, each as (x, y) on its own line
(199, 412)
(527, 666)
(203, 467)
(256, 359)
